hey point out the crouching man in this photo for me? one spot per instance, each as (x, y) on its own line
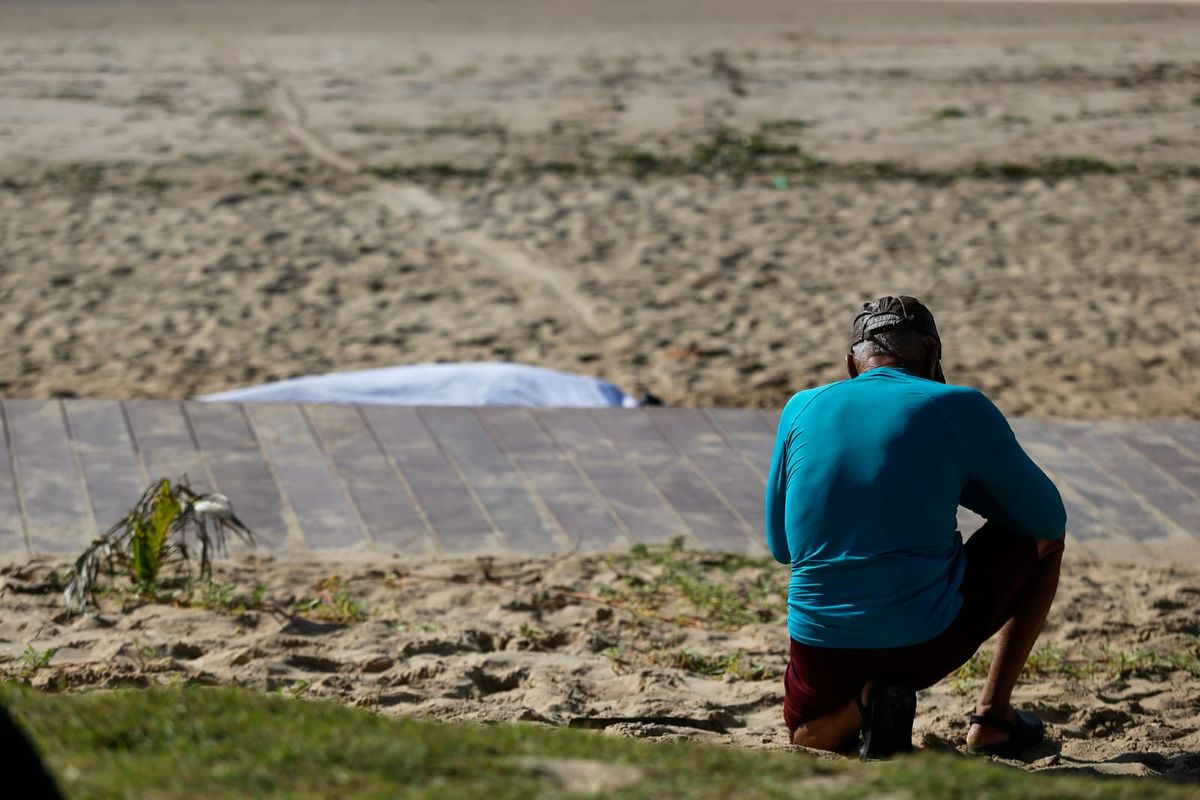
(885, 598)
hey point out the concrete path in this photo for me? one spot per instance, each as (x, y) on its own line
(457, 481)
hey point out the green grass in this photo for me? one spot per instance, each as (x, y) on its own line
(700, 589)
(790, 125)
(33, 660)
(716, 665)
(1046, 168)
(725, 152)
(218, 596)
(212, 743)
(332, 603)
(245, 112)
(950, 112)
(1050, 660)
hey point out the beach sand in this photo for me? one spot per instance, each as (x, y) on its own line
(687, 197)
(566, 642)
(203, 195)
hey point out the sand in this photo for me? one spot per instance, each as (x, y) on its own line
(542, 641)
(203, 195)
(196, 196)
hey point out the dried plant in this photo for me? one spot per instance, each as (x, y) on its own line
(152, 536)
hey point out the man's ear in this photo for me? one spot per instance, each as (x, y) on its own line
(934, 366)
(851, 367)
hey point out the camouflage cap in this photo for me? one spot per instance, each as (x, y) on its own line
(890, 313)
(902, 313)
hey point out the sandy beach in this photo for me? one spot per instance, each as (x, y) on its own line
(689, 198)
(627, 644)
(679, 197)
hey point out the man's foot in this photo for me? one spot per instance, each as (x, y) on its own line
(887, 709)
(1004, 735)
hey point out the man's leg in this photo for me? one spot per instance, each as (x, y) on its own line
(1015, 642)
(836, 731)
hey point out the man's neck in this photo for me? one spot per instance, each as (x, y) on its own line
(878, 362)
(875, 362)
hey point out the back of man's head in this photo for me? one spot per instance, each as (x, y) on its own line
(896, 331)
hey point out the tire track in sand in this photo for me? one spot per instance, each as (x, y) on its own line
(287, 114)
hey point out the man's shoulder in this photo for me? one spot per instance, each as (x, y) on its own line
(955, 396)
(801, 399)
(967, 410)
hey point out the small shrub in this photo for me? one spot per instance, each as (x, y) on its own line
(152, 536)
(332, 603)
(33, 660)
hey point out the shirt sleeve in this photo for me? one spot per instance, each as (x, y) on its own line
(776, 493)
(1003, 483)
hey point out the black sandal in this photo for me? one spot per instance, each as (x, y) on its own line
(1026, 732)
(887, 719)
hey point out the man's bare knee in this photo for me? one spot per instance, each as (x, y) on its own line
(833, 731)
(1050, 547)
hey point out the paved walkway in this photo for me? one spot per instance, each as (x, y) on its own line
(457, 481)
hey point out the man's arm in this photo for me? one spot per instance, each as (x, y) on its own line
(776, 492)
(1003, 482)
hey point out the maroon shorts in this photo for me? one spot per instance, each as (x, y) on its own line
(823, 679)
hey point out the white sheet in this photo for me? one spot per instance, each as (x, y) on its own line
(481, 384)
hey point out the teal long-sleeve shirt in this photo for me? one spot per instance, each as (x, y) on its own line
(862, 499)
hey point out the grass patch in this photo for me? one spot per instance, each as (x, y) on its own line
(33, 660)
(785, 125)
(217, 596)
(668, 589)
(423, 172)
(728, 153)
(723, 152)
(950, 112)
(1051, 168)
(201, 742)
(1051, 661)
(332, 603)
(245, 112)
(708, 589)
(465, 130)
(716, 665)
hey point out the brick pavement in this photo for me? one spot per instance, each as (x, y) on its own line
(461, 481)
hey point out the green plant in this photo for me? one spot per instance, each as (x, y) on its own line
(706, 586)
(224, 597)
(332, 603)
(142, 653)
(950, 112)
(33, 660)
(216, 596)
(1050, 660)
(153, 535)
(296, 689)
(149, 532)
(1047, 168)
(716, 665)
(247, 112)
(727, 151)
(784, 125)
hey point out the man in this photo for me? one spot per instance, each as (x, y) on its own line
(885, 598)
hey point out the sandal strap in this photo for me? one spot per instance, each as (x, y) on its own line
(994, 722)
